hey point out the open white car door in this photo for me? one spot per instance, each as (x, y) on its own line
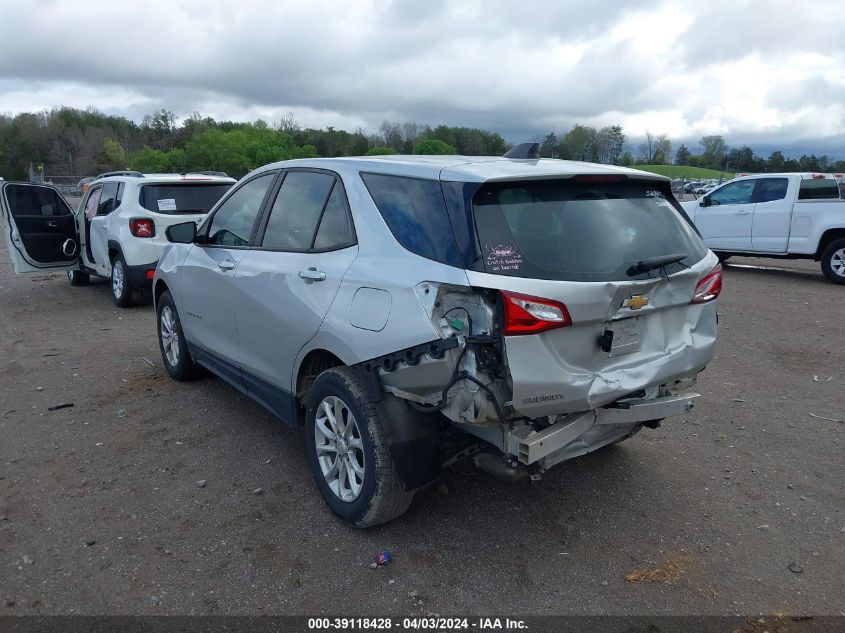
(39, 228)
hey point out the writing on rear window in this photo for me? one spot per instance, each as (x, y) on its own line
(500, 258)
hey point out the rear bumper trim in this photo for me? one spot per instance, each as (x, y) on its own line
(531, 446)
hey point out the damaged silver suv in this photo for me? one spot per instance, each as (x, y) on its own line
(407, 312)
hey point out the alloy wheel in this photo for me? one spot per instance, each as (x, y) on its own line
(340, 448)
(117, 278)
(169, 336)
(837, 262)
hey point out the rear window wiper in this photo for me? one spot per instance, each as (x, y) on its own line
(645, 265)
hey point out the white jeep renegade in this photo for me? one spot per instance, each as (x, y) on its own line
(117, 231)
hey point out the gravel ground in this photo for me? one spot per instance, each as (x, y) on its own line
(140, 498)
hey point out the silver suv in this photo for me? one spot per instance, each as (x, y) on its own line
(406, 312)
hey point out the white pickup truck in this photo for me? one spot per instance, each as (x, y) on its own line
(795, 216)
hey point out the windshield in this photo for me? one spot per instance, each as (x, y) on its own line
(581, 231)
(182, 198)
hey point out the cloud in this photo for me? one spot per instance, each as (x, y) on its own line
(773, 71)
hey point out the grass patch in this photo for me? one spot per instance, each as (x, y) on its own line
(682, 171)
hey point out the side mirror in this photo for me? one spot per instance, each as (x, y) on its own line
(705, 202)
(182, 233)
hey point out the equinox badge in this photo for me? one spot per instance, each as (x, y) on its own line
(635, 302)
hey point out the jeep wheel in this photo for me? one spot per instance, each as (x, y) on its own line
(833, 261)
(122, 290)
(78, 278)
(171, 341)
(348, 452)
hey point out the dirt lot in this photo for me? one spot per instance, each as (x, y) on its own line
(737, 508)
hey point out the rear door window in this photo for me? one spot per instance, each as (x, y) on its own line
(297, 211)
(580, 231)
(107, 198)
(771, 189)
(415, 212)
(182, 197)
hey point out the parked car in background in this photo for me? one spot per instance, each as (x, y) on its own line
(407, 311)
(117, 231)
(790, 215)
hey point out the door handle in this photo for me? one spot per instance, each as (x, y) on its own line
(226, 264)
(53, 224)
(743, 212)
(312, 274)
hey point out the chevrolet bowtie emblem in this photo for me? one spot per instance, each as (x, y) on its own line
(635, 302)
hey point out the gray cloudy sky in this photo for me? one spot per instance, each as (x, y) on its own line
(768, 73)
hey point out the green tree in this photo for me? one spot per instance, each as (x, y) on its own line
(682, 156)
(549, 146)
(715, 151)
(113, 156)
(433, 146)
(380, 151)
(150, 161)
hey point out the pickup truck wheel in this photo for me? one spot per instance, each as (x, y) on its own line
(349, 454)
(123, 292)
(833, 261)
(171, 341)
(78, 278)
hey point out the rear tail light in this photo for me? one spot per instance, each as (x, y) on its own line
(525, 314)
(151, 273)
(142, 227)
(709, 287)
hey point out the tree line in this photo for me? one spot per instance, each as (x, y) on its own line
(65, 144)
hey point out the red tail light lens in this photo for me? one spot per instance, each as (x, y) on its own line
(525, 314)
(142, 227)
(709, 287)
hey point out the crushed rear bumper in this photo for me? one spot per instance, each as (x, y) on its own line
(579, 433)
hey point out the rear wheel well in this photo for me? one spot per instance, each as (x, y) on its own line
(315, 362)
(827, 237)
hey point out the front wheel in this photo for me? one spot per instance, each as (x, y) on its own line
(171, 341)
(78, 278)
(349, 453)
(124, 293)
(833, 261)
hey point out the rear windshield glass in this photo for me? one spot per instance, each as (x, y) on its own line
(563, 230)
(182, 198)
(818, 189)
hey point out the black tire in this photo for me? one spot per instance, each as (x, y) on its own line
(382, 495)
(125, 295)
(78, 278)
(833, 261)
(184, 367)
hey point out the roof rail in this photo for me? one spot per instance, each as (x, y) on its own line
(524, 150)
(132, 174)
(222, 174)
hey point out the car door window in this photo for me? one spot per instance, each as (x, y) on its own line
(93, 202)
(234, 220)
(771, 189)
(735, 193)
(107, 198)
(335, 230)
(297, 211)
(29, 201)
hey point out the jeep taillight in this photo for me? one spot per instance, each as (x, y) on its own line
(142, 227)
(709, 287)
(525, 314)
